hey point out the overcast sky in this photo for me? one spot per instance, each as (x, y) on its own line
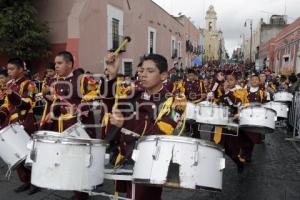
(232, 14)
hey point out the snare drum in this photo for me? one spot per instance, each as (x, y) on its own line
(77, 131)
(283, 97)
(13, 141)
(61, 163)
(280, 108)
(257, 119)
(190, 111)
(178, 162)
(208, 113)
(29, 161)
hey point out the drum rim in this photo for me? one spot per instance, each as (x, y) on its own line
(181, 139)
(275, 103)
(9, 126)
(213, 106)
(258, 106)
(68, 140)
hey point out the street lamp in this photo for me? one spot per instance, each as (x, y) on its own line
(251, 22)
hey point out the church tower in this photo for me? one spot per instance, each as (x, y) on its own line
(211, 19)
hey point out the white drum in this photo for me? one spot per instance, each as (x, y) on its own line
(208, 113)
(13, 141)
(178, 162)
(257, 119)
(29, 161)
(77, 131)
(61, 163)
(283, 97)
(280, 108)
(190, 111)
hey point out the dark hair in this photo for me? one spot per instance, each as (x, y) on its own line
(67, 56)
(293, 78)
(4, 73)
(140, 64)
(17, 62)
(50, 65)
(283, 78)
(159, 60)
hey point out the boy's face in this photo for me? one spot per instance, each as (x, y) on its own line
(150, 75)
(14, 72)
(62, 67)
(50, 73)
(254, 81)
(262, 78)
(231, 81)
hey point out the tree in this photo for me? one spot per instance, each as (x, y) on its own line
(21, 33)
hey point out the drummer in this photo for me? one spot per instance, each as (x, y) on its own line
(195, 92)
(18, 108)
(3, 80)
(254, 95)
(146, 119)
(70, 88)
(233, 97)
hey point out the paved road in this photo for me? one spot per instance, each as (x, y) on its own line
(274, 174)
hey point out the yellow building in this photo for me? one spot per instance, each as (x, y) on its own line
(214, 41)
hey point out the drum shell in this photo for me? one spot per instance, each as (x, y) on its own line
(257, 118)
(212, 114)
(283, 97)
(200, 163)
(280, 108)
(13, 141)
(66, 165)
(191, 111)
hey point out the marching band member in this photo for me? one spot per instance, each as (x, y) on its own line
(254, 95)
(70, 89)
(234, 96)
(143, 120)
(217, 89)
(3, 80)
(195, 92)
(18, 108)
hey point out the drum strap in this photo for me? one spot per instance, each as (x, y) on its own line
(218, 134)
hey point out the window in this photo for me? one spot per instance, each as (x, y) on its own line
(114, 27)
(210, 26)
(115, 33)
(151, 40)
(128, 68)
(179, 49)
(151, 50)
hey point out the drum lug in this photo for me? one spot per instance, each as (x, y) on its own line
(155, 153)
(90, 157)
(135, 154)
(196, 155)
(33, 152)
(222, 164)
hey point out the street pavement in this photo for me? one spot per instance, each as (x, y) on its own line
(274, 174)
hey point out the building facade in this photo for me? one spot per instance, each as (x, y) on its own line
(214, 41)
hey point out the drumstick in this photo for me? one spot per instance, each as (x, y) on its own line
(126, 40)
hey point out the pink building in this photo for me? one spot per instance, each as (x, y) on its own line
(90, 28)
(283, 51)
(287, 51)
